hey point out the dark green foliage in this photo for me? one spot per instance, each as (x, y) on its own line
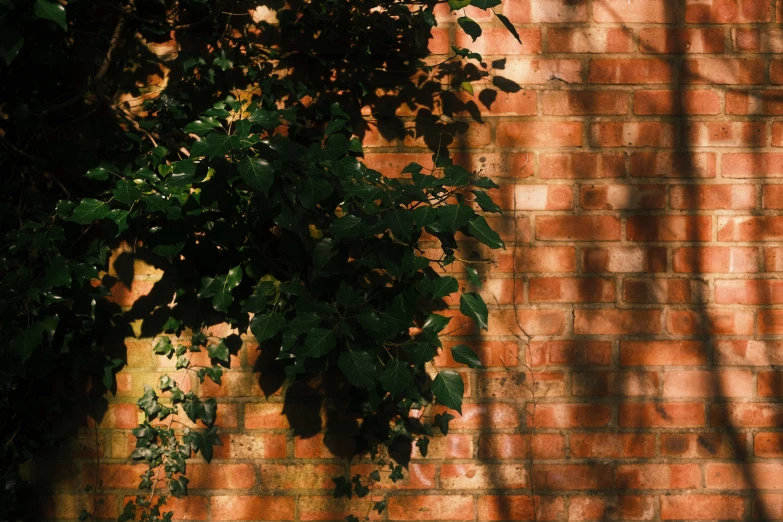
(259, 210)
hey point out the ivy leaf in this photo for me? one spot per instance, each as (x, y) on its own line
(99, 173)
(448, 389)
(358, 367)
(473, 306)
(442, 421)
(319, 341)
(400, 223)
(463, 354)
(480, 229)
(219, 352)
(473, 276)
(485, 201)
(457, 176)
(436, 323)
(347, 226)
(89, 210)
(257, 173)
(218, 144)
(467, 87)
(266, 326)
(149, 403)
(444, 286)
(302, 323)
(485, 4)
(126, 192)
(342, 488)
(53, 11)
(454, 216)
(458, 4)
(225, 284)
(26, 342)
(470, 27)
(509, 26)
(397, 377)
(11, 42)
(424, 216)
(202, 126)
(423, 443)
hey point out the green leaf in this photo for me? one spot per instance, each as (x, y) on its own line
(425, 216)
(126, 192)
(463, 354)
(467, 87)
(473, 306)
(149, 403)
(436, 323)
(448, 389)
(485, 201)
(358, 367)
(266, 326)
(454, 216)
(89, 210)
(26, 342)
(218, 144)
(99, 173)
(473, 276)
(257, 173)
(347, 226)
(485, 4)
(400, 222)
(456, 176)
(444, 286)
(442, 421)
(11, 42)
(267, 119)
(302, 323)
(334, 126)
(470, 27)
(509, 26)
(480, 229)
(396, 377)
(202, 126)
(458, 4)
(219, 352)
(53, 11)
(318, 342)
(423, 443)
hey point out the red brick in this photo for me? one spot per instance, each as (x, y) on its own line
(265, 416)
(625, 507)
(702, 507)
(745, 165)
(520, 103)
(662, 415)
(629, 71)
(622, 197)
(431, 507)
(589, 40)
(727, 11)
(658, 291)
(716, 259)
(566, 103)
(570, 416)
(582, 165)
(658, 476)
(571, 290)
(546, 259)
(323, 446)
(528, 71)
(515, 447)
(624, 259)
(612, 445)
(723, 71)
(773, 259)
(513, 383)
(632, 134)
(672, 165)
(663, 353)
(733, 476)
(570, 353)
(771, 322)
(698, 383)
(759, 228)
(749, 353)
(500, 41)
(617, 322)
(754, 291)
(747, 415)
(726, 134)
(519, 507)
(659, 102)
(620, 11)
(711, 322)
(669, 228)
(539, 134)
(328, 508)
(768, 444)
(713, 197)
(546, 11)
(541, 197)
(772, 197)
(703, 445)
(578, 228)
(572, 477)
(770, 384)
(221, 476)
(755, 102)
(624, 384)
(483, 476)
(681, 41)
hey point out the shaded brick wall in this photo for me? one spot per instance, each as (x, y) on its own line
(635, 330)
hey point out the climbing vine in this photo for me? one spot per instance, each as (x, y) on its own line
(242, 179)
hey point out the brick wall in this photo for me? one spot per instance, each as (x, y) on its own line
(635, 330)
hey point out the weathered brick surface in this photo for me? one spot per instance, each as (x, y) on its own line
(641, 165)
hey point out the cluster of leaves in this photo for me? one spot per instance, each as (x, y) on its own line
(258, 208)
